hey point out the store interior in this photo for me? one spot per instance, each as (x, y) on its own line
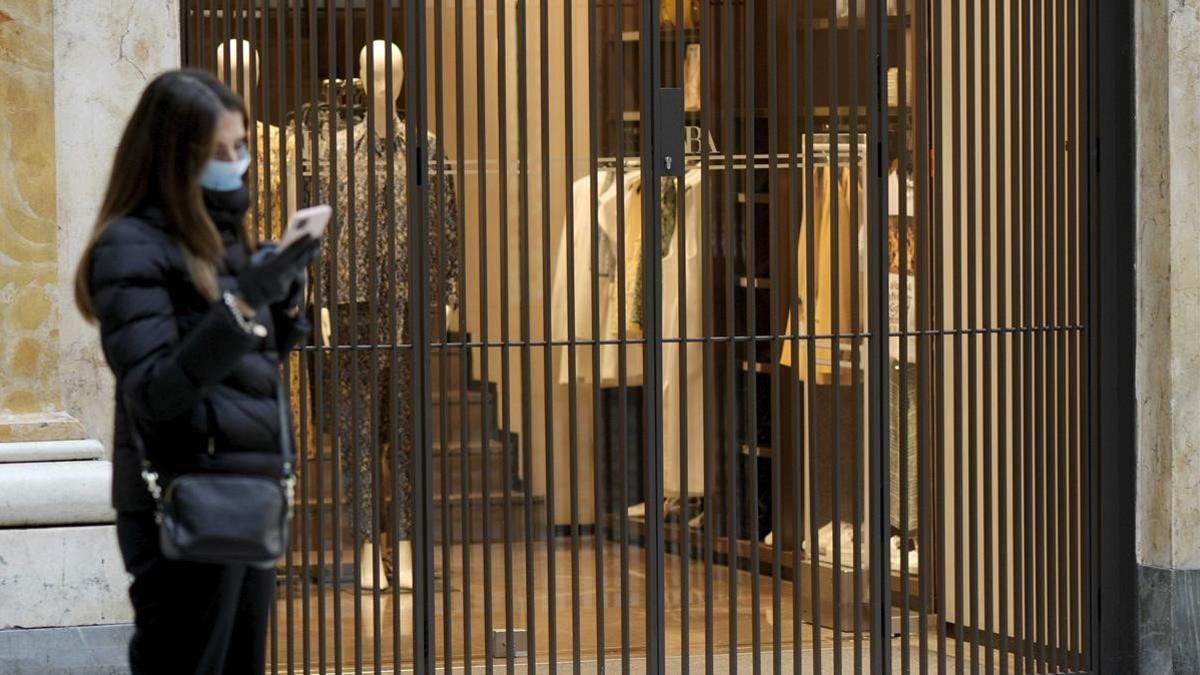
(548, 396)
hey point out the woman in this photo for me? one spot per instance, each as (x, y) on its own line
(193, 323)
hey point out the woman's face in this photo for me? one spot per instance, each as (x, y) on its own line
(230, 138)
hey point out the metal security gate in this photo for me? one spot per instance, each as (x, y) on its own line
(682, 335)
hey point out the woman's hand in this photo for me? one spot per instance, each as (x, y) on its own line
(272, 275)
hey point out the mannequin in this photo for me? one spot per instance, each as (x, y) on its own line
(271, 213)
(377, 148)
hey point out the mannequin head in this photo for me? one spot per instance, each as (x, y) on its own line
(242, 61)
(373, 60)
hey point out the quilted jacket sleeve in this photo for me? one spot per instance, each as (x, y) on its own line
(160, 373)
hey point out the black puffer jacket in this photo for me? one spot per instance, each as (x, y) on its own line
(203, 391)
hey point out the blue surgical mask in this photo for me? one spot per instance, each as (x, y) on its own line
(222, 176)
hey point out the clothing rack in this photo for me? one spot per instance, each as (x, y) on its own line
(821, 150)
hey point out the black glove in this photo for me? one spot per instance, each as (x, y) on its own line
(299, 284)
(271, 274)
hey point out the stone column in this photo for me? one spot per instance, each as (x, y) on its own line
(1168, 321)
(70, 73)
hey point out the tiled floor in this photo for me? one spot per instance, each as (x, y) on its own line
(363, 630)
(609, 618)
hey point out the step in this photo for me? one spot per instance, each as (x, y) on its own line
(323, 530)
(448, 412)
(474, 507)
(452, 356)
(451, 466)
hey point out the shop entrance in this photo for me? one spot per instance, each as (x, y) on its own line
(681, 335)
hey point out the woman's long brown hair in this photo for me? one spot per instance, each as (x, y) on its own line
(162, 153)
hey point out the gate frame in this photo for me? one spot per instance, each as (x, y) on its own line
(1112, 422)
(1112, 418)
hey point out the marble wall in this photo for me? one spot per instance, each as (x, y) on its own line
(1168, 279)
(28, 256)
(105, 53)
(1168, 319)
(70, 73)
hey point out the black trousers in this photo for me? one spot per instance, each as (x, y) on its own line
(192, 617)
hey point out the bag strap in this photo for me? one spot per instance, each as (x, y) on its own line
(151, 476)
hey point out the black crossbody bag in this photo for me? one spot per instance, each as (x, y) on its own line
(224, 517)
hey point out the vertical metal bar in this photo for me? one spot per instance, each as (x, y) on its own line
(356, 412)
(309, 373)
(547, 353)
(1074, 138)
(776, 290)
(273, 637)
(903, 270)
(810, 294)
(485, 335)
(417, 125)
(226, 30)
(623, 345)
(438, 315)
(708, 283)
(960, 508)
(1029, 200)
(200, 37)
(729, 138)
(940, 318)
(395, 347)
(1019, 219)
(522, 16)
(858, 169)
(547, 332)
(341, 356)
(878, 495)
(1041, 198)
(835, 198)
(924, 308)
(796, 219)
(1090, 305)
(464, 368)
(505, 299)
(1054, 623)
(321, 351)
(572, 337)
(1002, 243)
(374, 351)
(972, 446)
(681, 238)
(652, 444)
(750, 427)
(595, 119)
(988, 324)
(1064, 573)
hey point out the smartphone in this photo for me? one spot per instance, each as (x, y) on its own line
(310, 221)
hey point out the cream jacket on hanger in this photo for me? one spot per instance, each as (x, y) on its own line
(579, 228)
(688, 242)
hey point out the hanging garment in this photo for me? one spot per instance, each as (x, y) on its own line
(624, 229)
(360, 269)
(833, 202)
(685, 239)
(579, 228)
(899, 275)
(904, 457)
(270, 215)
